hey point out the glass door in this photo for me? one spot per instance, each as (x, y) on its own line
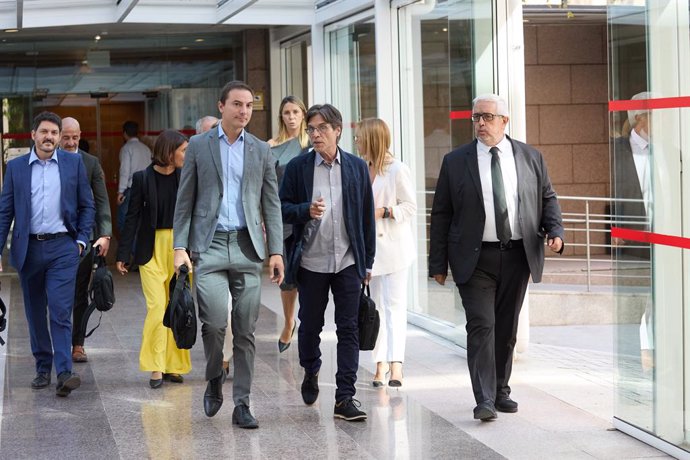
(447, 57)
(351, 50)
(650, 55)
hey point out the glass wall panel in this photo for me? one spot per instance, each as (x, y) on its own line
(296, 69)
(352, 51)
(649, 49)
(447, 57)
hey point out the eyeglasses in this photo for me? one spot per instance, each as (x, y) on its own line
(322, 128)
(485, 116)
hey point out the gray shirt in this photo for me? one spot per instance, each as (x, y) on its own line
(134, 156)
(327, 249)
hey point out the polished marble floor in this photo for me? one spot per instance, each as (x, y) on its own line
(116, 415)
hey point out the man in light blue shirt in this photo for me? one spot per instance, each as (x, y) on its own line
(47, 195)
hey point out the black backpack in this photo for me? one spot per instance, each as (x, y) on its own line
(368, 320)
(101, 291)
(180, 315)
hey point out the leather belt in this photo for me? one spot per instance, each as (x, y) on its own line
(47, 236)
(502, 246)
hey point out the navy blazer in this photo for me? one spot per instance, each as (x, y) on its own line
(76, 203)
(358, 208)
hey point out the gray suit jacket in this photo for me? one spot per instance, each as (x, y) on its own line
(96, 178)
(458, 216)
(201, 191)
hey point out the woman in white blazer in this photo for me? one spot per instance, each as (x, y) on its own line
(395, 207)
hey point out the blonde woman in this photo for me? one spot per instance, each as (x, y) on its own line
(292, 139)
(395, 209)
(150, 217)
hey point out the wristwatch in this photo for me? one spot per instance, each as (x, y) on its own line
(386, 212)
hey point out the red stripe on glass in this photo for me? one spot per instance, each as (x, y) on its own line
(650, 104)
(649, 237)
(461, 115)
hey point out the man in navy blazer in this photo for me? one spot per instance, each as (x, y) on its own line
(493, 208)
(47, 195)
(326, 195)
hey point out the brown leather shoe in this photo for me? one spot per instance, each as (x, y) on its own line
(79, 355)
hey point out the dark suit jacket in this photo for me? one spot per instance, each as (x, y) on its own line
(96, 178)
(458, 216)
(76, 203)
(358, 208)
(141, 219)
(626, 184)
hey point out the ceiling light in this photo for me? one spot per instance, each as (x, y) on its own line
(184, 47)
(199, 40)
(11, 31)
(445, 29)
(97, 37)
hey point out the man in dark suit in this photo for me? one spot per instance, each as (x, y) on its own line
(100, 237)
(48, 196)
(493, 208)
(632, 193)
(228, 195)
(326, 195)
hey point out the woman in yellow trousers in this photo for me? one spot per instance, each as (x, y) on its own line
(149, 221)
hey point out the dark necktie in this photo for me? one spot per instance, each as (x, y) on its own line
(500, 207)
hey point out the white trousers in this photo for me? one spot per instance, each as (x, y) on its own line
(390, 294)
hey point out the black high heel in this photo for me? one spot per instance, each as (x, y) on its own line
(284, 346)
(395, 382)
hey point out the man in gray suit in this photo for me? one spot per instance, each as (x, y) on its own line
(69, 141)
(493, 208)
(228, 194)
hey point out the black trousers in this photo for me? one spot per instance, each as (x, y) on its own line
(313, 299)
(81, 297)
(492, 299)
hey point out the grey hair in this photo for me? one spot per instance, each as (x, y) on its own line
(501, 104)
(632, 114)
(201, 121)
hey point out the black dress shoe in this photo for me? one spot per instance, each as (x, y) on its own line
(485, 411)
(506, 404)
(213, 396)
(310, 388)
(156, 383)
(243, 418)
(174, 378)
(42, 380)
(67, 381)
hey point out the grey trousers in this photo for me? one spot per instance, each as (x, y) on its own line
(230, 266)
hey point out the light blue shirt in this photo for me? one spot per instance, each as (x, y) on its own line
(231, 215)
(46, 212)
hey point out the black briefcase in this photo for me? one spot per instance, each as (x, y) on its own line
(368, 320)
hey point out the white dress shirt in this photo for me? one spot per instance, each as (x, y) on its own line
(640, 150)
(510, 184)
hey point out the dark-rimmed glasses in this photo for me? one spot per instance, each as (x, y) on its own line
(485, 116)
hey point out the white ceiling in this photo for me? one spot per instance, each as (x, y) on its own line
(52, 13)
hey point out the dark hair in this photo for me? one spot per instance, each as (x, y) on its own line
(47, 116)
(130, 128)
(330, 114)
(235, 84)
(164, 148)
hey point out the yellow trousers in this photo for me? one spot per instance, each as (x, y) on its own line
(159, 353)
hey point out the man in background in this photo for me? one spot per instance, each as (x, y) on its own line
(100, 237)
(134, 156)
(203, 124)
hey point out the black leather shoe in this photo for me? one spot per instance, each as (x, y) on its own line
(174, 378)
(42, 380)
(213, 396)
(282, 346)
(506, 404)
(310, 388)
(67, 381)
(243, 418)
(485, 411)
(155, 383)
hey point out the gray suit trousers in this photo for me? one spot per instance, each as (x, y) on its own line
(229, 266)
